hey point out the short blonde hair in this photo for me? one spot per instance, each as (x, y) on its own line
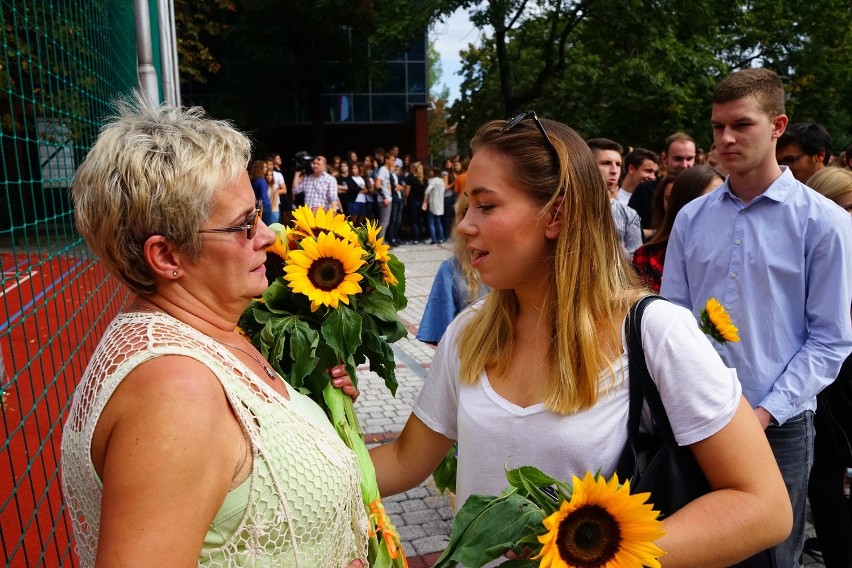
(153, 171)
(832, 182)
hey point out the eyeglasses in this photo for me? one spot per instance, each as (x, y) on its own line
(789, 160)
(513, 122)
(249, 225)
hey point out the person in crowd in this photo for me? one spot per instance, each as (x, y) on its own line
(334, 167)
(274, 191)
(834, 183)
(358, 196)
(415, 194)
(397, 160)
(369, 172)
(777, 256)
(433, 204)
(342, 180)
(385, 186)
(319, 188)
(460, 170)
(352, 158)
(831, 508)
(285, 204)
(397, 206)
(257, 175)
(690, 184)
(679, 155)
(182, 446)
(662, 195)
(456, 286)
(536, 374)
(714, 161)
(805, 148)
(448, 174)
(847, 158)
(641, 166)
(608, 157)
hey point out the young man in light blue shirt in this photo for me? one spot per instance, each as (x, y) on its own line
(777, 256)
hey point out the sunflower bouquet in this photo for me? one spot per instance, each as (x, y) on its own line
(716, 322)
(590, 522)
(334, 301)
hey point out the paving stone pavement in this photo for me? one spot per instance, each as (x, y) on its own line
(422, 516)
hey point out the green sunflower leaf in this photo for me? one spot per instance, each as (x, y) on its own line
(342, 331)
(529, 480)
(303, 346)
(486, 527)
(380, 306)
(445, 474)
(398, 270)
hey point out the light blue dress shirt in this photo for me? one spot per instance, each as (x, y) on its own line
(781, 266)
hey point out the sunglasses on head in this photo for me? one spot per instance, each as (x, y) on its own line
(514, 121)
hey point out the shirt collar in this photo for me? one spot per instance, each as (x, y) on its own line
(778, 190)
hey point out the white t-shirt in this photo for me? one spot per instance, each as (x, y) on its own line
(435, 193)
(700, 394)
(359, 181)
(623, 196)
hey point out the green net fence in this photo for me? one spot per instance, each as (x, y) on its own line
(63, 62)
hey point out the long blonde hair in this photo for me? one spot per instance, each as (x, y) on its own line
(592, 283)
(471, 276)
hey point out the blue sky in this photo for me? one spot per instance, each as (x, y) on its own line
(452, 36)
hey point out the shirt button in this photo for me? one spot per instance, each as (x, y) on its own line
(733, 275)
(738, 241)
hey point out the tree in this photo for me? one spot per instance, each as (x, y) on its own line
(438, 97)
(195, 24)
(638, 70)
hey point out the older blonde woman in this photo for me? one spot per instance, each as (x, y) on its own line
(182, 446)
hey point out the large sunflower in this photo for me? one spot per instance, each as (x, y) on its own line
(716, 322)
(324, 269)
(380, 252)
(602, 526)
(308, 224)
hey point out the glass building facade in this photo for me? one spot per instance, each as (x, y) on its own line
(388, 98)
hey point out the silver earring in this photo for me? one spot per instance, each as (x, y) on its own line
(174, 273)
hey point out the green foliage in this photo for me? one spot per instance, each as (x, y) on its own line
(445, 474)
(639, 70)
(487, 526)
(195, 24)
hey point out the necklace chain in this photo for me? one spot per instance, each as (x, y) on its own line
(269, 372)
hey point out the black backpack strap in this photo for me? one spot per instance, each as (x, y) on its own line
(642, 386)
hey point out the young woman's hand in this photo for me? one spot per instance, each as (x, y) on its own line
(340, 379)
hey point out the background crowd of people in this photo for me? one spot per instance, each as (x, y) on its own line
(409, 199)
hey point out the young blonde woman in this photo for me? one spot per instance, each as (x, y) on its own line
(535, 373)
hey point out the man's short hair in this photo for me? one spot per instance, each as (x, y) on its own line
(810, 137)
(763, 85)
(638, 156)
(677, 137)
(604, 144)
